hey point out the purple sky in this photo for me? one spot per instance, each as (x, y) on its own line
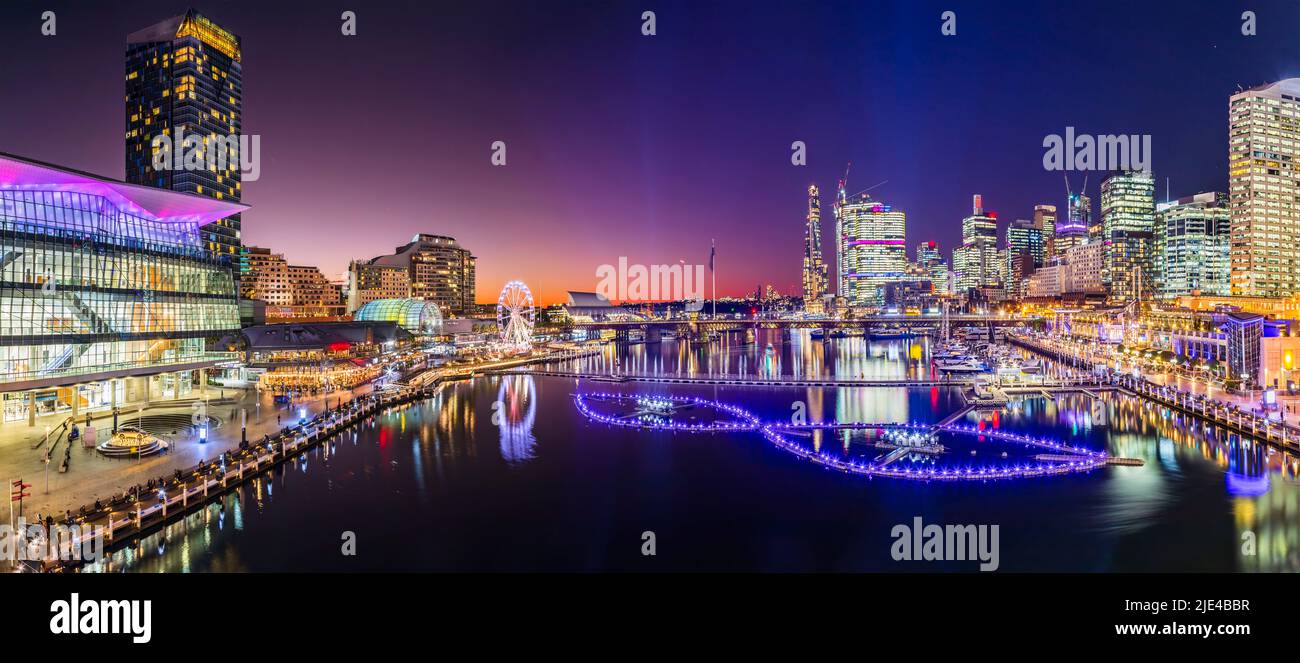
(647, 147)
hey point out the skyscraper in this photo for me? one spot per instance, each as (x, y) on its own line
(930, 260)
(1045, 220)
(1024, 253)
(1128, 224)
(873, 248)
(976, 262)
(814, 269)
(1264, 189)
(1073, 231)
(1191, 246)
(184, 81)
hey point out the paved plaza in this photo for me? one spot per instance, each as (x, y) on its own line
(92, 476)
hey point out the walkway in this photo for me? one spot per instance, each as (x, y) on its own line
(92, 476)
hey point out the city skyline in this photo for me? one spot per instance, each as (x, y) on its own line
(588, 142)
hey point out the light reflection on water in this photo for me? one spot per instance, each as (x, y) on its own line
(503, 474)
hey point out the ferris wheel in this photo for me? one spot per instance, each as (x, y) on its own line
(515, 315)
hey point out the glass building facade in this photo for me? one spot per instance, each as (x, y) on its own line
(872, 248)
(417, 316)
(1192, 243)
(1128, 213)
(184, 80)
(100, 280)
(1264, 189)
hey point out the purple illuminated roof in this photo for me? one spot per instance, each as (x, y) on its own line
(18, 173)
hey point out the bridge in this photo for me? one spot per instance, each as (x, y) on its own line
(694, 329)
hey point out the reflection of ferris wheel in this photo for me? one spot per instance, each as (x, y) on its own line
(517, 405)
(515, 314)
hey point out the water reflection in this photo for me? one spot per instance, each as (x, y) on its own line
(773, 353)
(548, 490)
(516, 414)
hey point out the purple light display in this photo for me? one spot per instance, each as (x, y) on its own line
(1071, 459)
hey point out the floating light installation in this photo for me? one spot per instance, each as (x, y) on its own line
(1079, 459)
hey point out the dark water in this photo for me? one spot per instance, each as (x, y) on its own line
(439, 487)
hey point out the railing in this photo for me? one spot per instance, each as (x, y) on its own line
(1223, 414)
(137, 512)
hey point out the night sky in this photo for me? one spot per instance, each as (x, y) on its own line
(624, 145)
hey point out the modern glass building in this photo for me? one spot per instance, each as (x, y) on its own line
(1128, 214)
(184, 79)
(872, 248)
(977, 261)
(101, 281)
(1025, 253)
(814, 269)
(1244, 331)
(1045, 220)
(1191, 254)
(1073, 229)
(417, 316)
(930, 259)
(1264, 189)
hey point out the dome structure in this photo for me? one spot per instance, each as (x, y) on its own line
(417, 316)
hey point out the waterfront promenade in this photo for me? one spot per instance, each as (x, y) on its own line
(1228, 415)
(92, 476)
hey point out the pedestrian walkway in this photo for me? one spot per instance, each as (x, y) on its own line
(92, 476)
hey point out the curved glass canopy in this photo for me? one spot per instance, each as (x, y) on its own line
(414, 315)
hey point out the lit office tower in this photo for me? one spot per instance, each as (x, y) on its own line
(814, 269)
(1045, 220)
(1128, 214)
(1024, 253)
(1264, 189)
(1191, 246)
(183, 80)
(976, 262)
(930, 259)
(873, 248)
(1073, 231)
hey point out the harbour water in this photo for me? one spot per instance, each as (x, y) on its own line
(505, 474)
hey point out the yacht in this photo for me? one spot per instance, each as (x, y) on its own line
(961, 365)
(950, 351)
(890, 333)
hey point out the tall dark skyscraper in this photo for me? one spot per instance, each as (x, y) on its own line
(814, 270)
(184, 79)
